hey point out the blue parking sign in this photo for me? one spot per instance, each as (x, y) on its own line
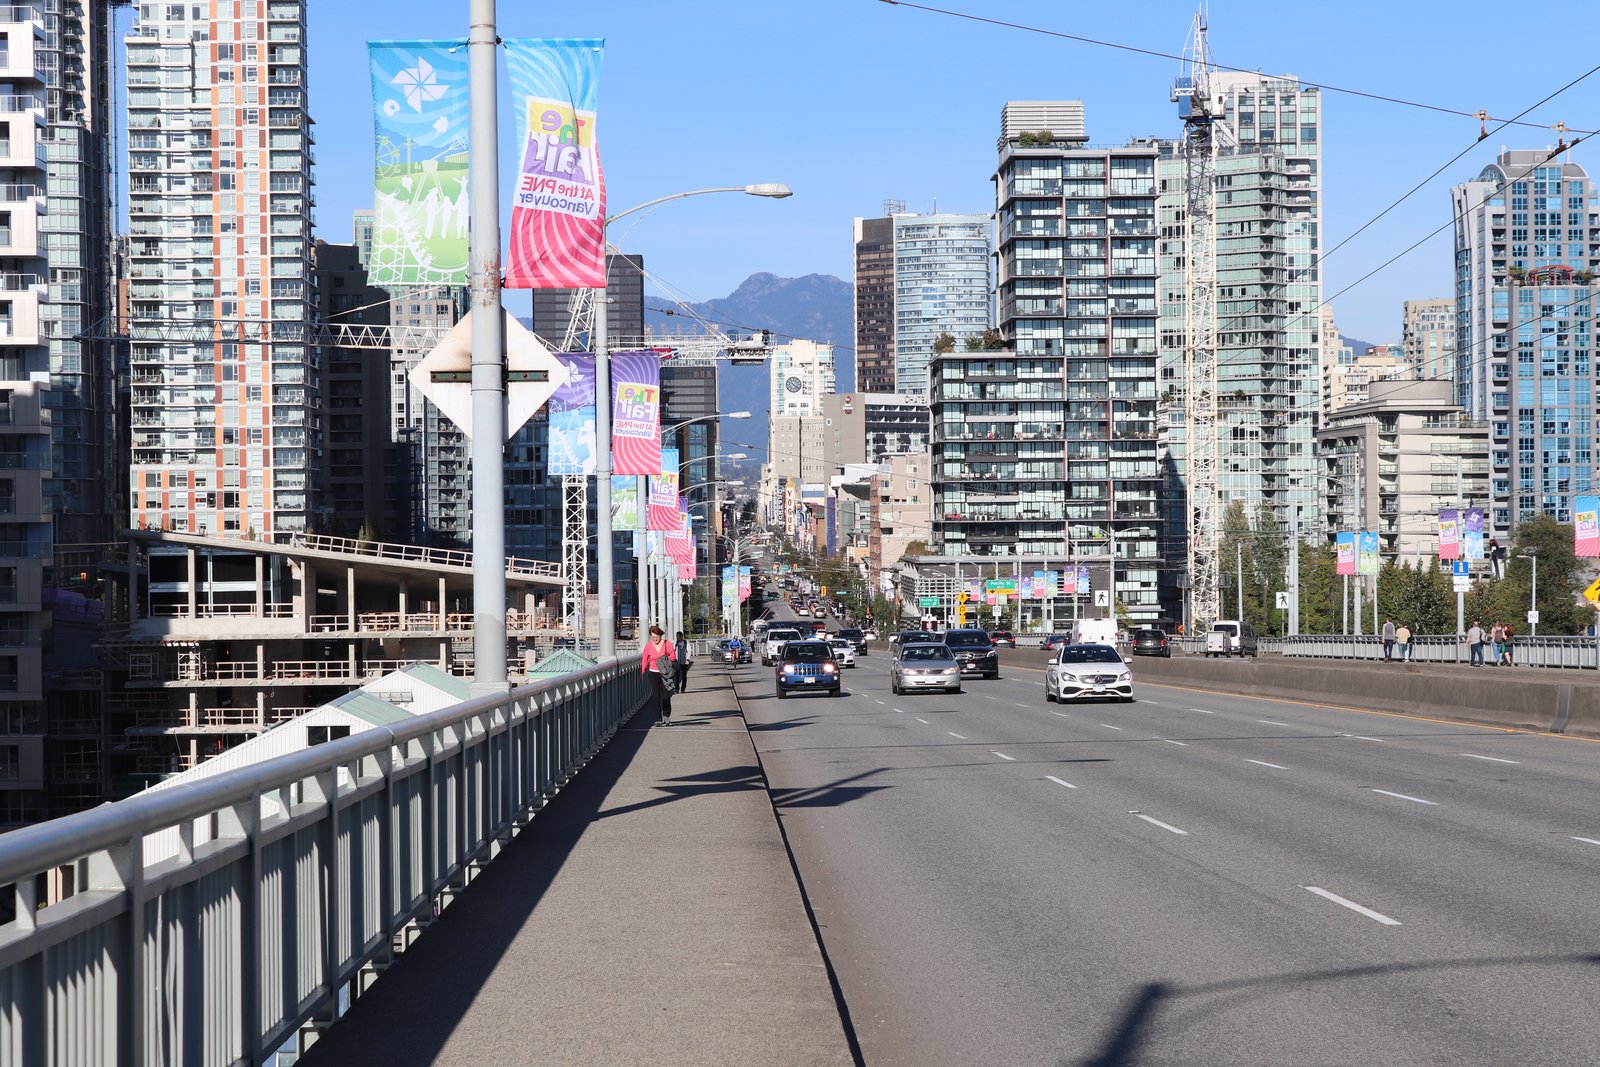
(1460, 568)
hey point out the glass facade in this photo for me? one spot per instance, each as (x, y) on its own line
(941, 285)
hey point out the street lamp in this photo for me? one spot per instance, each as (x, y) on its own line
(1533, 594)
(605, 562)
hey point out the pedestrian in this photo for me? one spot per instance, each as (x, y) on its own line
(680, 669)
(1388, 639)
(657, 650)
(1497, 640)
(1402, 637)
(1505, 648)
(1474, 640)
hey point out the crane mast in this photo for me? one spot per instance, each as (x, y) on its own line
(1204, 133)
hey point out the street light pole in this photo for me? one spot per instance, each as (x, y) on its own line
(1533, 594)
(488, 362)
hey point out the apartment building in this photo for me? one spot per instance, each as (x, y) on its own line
(870, 427)
(1429, 338)
(874, 311)
(941, 286)
(1349, 380)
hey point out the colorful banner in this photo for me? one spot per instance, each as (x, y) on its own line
(558, 211)
(1472, 533)
(1069, 582)
(1036, 587)
(1586, 526)
(1367, 553)
(744, 583)
(1346, 549)
(1084, 584)
(420, 119)
(624, 502)
(636, 412)
(1449, 534)
(662, 512)
(571, 408)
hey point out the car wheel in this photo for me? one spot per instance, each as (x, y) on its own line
(1049, 695)
(833, 692)
(956, 690)
(1127, 700)
(781, 694)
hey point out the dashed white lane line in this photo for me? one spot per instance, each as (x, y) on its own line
(877, 701)
(1490, 759)
(1163, 825)
(958, 737)
(901, 710)
(1063, 714)
(1021, 705)
(1587, 840)
(1375, 916)
(1069, 785)
(1264, 763)
(1402, 796)
(923, 721)
(1168, 740)
(1203, 711)
(1364, 737)
(1108, 726)
(1002, 755)
(1273, 722)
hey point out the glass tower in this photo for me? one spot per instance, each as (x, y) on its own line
(941, 285)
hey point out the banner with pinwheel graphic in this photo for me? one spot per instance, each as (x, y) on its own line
(558, 209)
(421, 114)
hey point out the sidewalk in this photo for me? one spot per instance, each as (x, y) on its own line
(649, 915)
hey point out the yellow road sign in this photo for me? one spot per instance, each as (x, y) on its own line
(1592, 594)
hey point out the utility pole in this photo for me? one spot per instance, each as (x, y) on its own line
(1238, 575)
(488, 361)
(1461, 595)
(1294, 568)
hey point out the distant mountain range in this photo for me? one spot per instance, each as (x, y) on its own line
(816, 307)
(1358, 347)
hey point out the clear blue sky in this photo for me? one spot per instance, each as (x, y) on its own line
(852, 101)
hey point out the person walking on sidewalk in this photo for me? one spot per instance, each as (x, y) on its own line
(1497, 640)
(1505, 647)
(1388, 639)
(1474, 640)
(680, 669)
(658, 651)
(1402, 637)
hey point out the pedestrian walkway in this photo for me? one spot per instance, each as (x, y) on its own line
(649, 915)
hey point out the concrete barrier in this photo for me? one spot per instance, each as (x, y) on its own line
(1481, 696)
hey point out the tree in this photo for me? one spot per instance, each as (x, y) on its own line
(1268, 566)
(1321, 590)
(1234, 548)
(1417, 595)
(987, 341)
(945, 342)
(915, 548)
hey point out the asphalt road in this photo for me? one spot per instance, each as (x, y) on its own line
(1190, 879)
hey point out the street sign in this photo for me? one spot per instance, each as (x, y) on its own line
(1102, 598)
(1283, 601)
(444, 375)
(1461, 585)
(927, 601)
(1533, 618)
(1460, 568)
(1592, 594)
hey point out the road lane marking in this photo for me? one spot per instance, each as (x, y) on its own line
(1490, 759)
(1375, 916)
(1273, 722)
(1020, 705)
(1587, 840)
(1402, 796)
(1002, 755)
(880, 702)
(1203, 711)
(924, 722)
(1163, 825)
(1069, 785)
(1168, 740)
(958, 737)
(1264, 763)
(901, 710)
(1364, 737)
(1108, 726)
(1063, 714)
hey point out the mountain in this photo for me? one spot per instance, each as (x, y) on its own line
(816, 307)
(1358, 347)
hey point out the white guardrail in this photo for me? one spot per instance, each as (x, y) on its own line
(292, 884)
(1571, 653)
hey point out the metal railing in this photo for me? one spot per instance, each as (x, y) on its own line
(208, 922)
(449, 557)
(1570, 653)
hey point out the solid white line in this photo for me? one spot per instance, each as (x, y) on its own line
(1069, 785)
(924, 722)
(1363, 737)
(1002, 755)
(1264, 763)
(1180, 744)
(1108, 726)
(1376, 916)
(955, 735)
(1164, 826)
(1402, 796)
(1203, 711)
(1272, 722)
(1063, 714)
(1587, 840)
(1491, 759)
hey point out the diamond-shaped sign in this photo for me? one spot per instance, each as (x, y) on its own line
(444, 375)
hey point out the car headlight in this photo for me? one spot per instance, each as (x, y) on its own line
(1125, 676)
(950, 670)
(829, 668)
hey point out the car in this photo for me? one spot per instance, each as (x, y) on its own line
(869, 633)
(1056, 641)
(1003, 637)
(1150, 642)
(807, 666)
(909, 635)
(819, 627)
(777, 637)
(733, 651)
(854, 635)
(974, 651)
(1231, 637)
(924, 665)
(802, 613)
(844, 650)
(1087, 672)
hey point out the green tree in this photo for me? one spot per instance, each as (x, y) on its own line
(945, 342)
(1234, 559)
(1562, 577)
(1321, 590)
(1419, 596)
(1269, 564)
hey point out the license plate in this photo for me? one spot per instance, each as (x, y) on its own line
(811, 681)
(1099, 689)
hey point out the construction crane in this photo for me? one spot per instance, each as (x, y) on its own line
(1205, 133)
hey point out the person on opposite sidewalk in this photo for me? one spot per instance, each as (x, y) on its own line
(1474, 640)
(657, 650)
(1388, 639)
(1402, 638)
(680, 669)
(1497, 640)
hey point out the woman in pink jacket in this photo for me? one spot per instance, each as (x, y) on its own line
(658, 650)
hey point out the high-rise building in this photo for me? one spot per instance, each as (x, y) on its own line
(1049, 448)
(866, 428)
(354, 482)
(1429, 339)
(1525, 267)
(431, 473)
(802, 374)
(226, 435)
(874, 253)
(941, 286)
(1350, 380)
(1268, 224)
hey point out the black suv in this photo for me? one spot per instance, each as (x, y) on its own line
(975, 652)
(854, 635)
(1150, 642)
(807, 666)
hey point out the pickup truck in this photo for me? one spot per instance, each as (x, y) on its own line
(772, 651)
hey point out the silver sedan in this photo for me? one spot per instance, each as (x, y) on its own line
(924, 666)
(1088, 672)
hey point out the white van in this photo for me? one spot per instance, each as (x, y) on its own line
(1095, 632)
(1231, 637)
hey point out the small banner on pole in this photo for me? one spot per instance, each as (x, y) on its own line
(1449, 534)
(663, 510)
(636, 412)
(1367, 553)
(1345, 546)
(624, 502)
(572, 417)
(1472, 533)
(1586, 526)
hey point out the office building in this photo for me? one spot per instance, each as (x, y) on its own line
(356, 454)
(1429, 339)
(870, 427)
(430, 468)
(941, 287)
(1526, 261)
(226, 435)
(874, 319)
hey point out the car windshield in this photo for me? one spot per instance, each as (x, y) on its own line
(849, 632)
(967, 639)
(783, 635)
(1090, 654)
(807, 651)
(1148, 635)
(937, 653)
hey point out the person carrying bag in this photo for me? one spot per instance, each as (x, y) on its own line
(657, 652)
(681, 668)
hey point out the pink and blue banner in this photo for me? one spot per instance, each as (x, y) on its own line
(1586, 526)
(558, 211)
(571, 414)
(636, 412)
(1367, 553)
(1449, 534)
(1345, 546)
(663, 513)
(1472, 533)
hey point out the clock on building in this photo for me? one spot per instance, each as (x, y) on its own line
(794, 385)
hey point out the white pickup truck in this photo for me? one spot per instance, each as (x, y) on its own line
(776, 639)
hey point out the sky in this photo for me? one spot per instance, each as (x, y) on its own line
(851, 102)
